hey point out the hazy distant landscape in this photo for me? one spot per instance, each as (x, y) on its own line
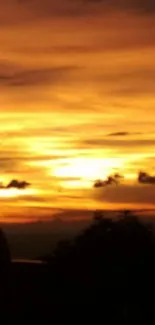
(34, 240)
(31, 241)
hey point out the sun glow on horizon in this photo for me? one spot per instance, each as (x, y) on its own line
(77, 105)
(87, 170)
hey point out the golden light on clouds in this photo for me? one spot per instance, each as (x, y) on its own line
(88, 169)
(15, 193)
(76, 103)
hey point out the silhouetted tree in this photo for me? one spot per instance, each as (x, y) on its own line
(110, 258)
(5, 269)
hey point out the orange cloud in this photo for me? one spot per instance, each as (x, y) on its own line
(76, 101)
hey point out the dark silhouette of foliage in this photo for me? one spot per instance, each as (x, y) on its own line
(109, 267)
(112, 259)
(5, 269)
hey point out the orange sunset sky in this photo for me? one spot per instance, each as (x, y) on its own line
(77, 103)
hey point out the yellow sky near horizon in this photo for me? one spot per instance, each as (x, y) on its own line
(76, 104)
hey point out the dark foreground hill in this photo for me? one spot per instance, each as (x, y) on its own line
(109, 270)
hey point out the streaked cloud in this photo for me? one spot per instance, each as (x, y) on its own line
(130, 195)
(37, 77)
(138, 5)
(76, 103)
(121, 134)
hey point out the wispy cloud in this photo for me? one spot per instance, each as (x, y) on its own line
(35, 77)
(122, 134)
(76, 102)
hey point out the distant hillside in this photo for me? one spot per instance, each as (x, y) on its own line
(30, 241)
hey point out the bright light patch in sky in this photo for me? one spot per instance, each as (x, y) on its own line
(77, 99)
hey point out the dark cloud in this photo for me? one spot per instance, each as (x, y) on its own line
(79, 7)
(118, 142)
(119, 134)
(145, 178)
(15, 184)
(35, 77)
(140, 5)
(122, 134)
(12, 12)
(113, 179)
(126, 194)
(137, 5)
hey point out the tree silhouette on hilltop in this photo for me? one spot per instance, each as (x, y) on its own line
(111, 258)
